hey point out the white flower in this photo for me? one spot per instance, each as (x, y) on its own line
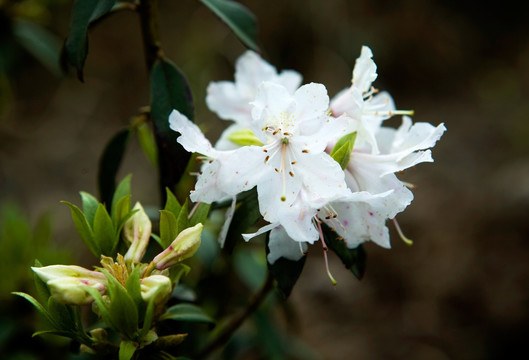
(231, 100)
(293, 174)
(363, 102)
(373, 175)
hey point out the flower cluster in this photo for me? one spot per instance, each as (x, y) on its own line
(312, 159)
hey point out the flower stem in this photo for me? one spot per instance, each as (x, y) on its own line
(225, 334)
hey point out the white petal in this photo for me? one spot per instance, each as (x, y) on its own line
(272, 105)
(312, 104)
(281, 245)
(207, 188)
(261, 230)
(223, 143)
(365, 70)
(250, 71)
(192, 138)
(228, 103)
(290, 79)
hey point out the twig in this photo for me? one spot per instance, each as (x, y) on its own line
(225, 334)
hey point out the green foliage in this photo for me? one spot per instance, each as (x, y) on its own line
(353, 259)
(341, 152)
(76, 44)
(20, 244)
(186, 312)
(169, 90)
(246, 214)
(99, 230)
(286, 273)
(238, 18)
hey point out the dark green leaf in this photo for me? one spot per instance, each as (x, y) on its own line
(239, 19)
(104, 235)
(133, 287)
(90, 205)
(341, 152)
(186, 312)
(246, 214)
(286, 273)
(122, 309)
(121, 212)
(122, 190)
(62, 314)
(39, 42)
(169, 90)
(182, 220)
(353, 259)
(109, 166)
(172, 204)
(37, 305)
(76, 45)
(83, 228)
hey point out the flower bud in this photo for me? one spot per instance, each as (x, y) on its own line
(137, 231)
(184, 246)
(158, 287)
(47, 273)
(71, 290)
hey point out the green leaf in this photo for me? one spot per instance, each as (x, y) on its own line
(238, 18)
(172, 203)
(62, 314)
(109, 164)
(39, 42)
(122, 308)
(134, 289)
(353, 259)
(37, 305)
(90, 205)
(182, 220)
(200, 215)
(102, 306)
(127, 349)
(104, 235)
(76, 45)
(168, 228)
(122, 190)
(147, 143)
(246, 215)
(186, 312)
(121, 212)
(83, 228)
(169, 90)
(341, 152)
(286, 273)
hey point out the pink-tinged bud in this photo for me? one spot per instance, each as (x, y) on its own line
(47, 273)
(184, 246)
(137, 231)
(67, 282)
(71, 291)
(158, 287)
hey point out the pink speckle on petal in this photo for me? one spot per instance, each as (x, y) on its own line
(371, 213)
(345, 223)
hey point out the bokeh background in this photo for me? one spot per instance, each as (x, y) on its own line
(461, 292)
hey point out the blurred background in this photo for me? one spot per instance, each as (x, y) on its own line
(460, 292)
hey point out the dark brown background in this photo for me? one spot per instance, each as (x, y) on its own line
(462, 291)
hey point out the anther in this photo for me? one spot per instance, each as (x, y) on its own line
(291, 173)
(267, 158)
(304, 151)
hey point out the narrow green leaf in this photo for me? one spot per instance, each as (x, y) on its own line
(341, 152)
(169, 90)
(286, 273)
(168, 228)
(121, 211)
(90, 205)
(177, 271)
(182, 219)
(186, 312)
(353, 259)
(37, 305)
(109, 164)
(104, 234)
(134, 289)
(172, 203)
(127, 349)
(147, 320)
(122, 308)
(39, 42)
(122, 190)
(53, 332)
(147, 143)
(83, 228)
(102, 306)
(246, 214)
(200, 215)
(62, 314)
(238, 18)
(76, 44)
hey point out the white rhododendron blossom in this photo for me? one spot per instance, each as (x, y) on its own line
(281, 141)
(231, 100)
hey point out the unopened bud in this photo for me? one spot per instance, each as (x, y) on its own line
(184, 246)
(71, 291)
(137, 231)
(158, 287)
(47, 273)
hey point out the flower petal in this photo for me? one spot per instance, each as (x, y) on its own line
(282, 246)
(192, 138)
(365, 70)
(226, 101)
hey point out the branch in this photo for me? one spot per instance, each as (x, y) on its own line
(225, 334)
(148, 11)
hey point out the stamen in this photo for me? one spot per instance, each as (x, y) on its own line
(304, 252)
(267, 158)
(391, 113)
(305, 151)
(291, 173)
(284, 147)
(325, 249)
(406, 240)
(409, 185)
(195, 207)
